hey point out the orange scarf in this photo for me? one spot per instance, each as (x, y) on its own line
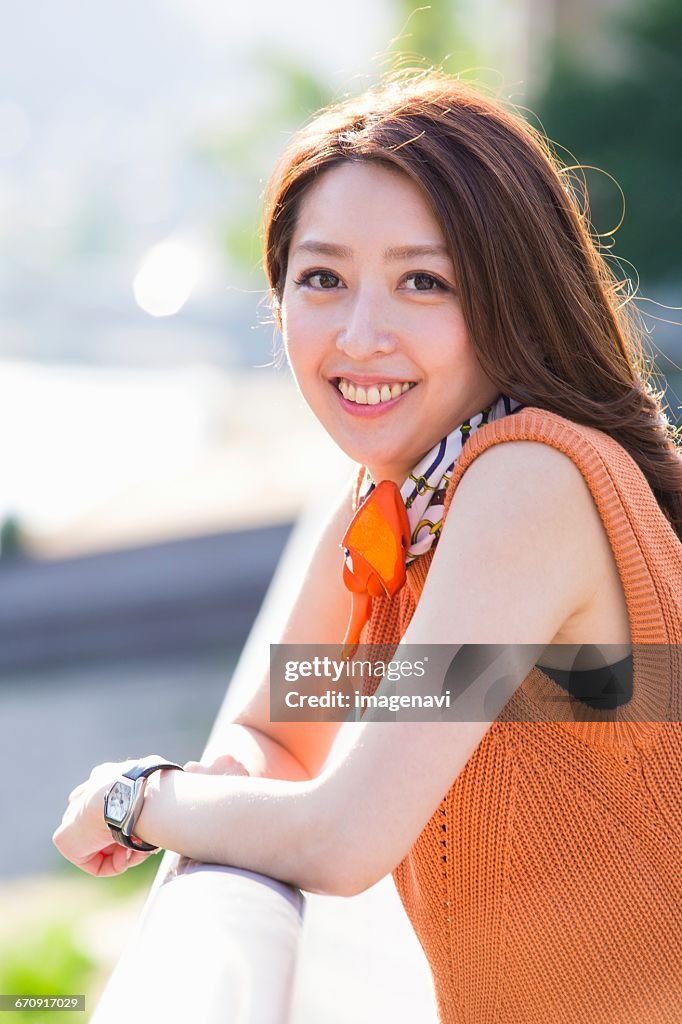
(380, 540)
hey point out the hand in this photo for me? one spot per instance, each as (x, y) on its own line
(84, 837)
(224, 764)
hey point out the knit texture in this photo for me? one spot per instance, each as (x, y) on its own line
(547, 885)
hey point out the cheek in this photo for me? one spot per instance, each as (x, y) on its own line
(303, 333)
(302, 348)
(291, 332)
(454, 352)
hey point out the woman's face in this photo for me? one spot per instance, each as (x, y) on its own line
(370, 306)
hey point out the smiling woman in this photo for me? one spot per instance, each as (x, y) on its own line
(380, 312)
(451, 324)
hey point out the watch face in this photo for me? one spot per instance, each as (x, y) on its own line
(118, 801)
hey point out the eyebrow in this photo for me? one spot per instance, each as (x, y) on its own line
(392, 254)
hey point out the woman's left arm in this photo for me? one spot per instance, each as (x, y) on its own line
(511, 566)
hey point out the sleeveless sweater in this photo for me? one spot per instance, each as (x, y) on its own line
(547, 885)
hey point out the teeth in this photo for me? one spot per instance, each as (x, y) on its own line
(372, 395)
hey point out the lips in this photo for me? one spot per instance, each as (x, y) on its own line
(373, 404)
(371, 392)
(367, 380)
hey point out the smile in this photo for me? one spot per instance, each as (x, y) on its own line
(374, 394)
(371, 400)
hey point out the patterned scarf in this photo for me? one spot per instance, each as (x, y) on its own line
(424, 489)
(391, 526)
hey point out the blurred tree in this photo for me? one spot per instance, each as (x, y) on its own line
(427, 32)
(46, 961)
(627, 120)
(11, 540)
(434, 34)
(291, 95)
(425, 36)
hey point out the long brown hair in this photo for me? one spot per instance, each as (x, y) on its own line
(543, 307)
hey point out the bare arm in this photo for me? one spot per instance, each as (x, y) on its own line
(285, 756)
(341, 832)
(296, 751)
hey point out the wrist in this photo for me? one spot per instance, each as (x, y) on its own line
(125, 801)
(144, 828)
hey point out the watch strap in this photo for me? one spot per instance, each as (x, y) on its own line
(132, 844)
(139, 771)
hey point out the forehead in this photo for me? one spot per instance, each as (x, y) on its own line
(364, 200)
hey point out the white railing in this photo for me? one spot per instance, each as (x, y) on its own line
(214, 944)
(218, 945)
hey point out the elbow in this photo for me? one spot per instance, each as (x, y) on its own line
(336, 883)
(339, 856)
(325, 875)
(351, 885)
(342, 870)
(354, 879)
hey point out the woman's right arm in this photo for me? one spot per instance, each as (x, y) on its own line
(297, 750)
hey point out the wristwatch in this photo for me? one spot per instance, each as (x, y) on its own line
(123, 802)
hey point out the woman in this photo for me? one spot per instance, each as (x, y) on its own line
(451, 324)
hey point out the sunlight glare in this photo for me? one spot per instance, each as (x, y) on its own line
(165, 280)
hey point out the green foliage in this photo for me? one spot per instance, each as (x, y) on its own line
(292, 93)
(46, 958)
(245, 155)
(11, 538)
(431, 34)
(429, 30)
(48, 961)
(628, 121)
(240, 240)
(297, 91)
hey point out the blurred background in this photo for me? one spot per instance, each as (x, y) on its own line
(150, 443)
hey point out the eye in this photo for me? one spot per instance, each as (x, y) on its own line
(326, 281)
(424, 282)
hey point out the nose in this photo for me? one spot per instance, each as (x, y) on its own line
(366, 330)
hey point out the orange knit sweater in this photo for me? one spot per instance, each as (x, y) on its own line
(547, 886)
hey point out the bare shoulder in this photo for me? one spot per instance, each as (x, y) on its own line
(527, 485)
(538, 466)
(524, 509)
(517, 551)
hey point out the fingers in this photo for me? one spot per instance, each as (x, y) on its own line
(229, 765)
(120, 859)
(137, 856)
(109, 769)
(111, 860)
(224, 764)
